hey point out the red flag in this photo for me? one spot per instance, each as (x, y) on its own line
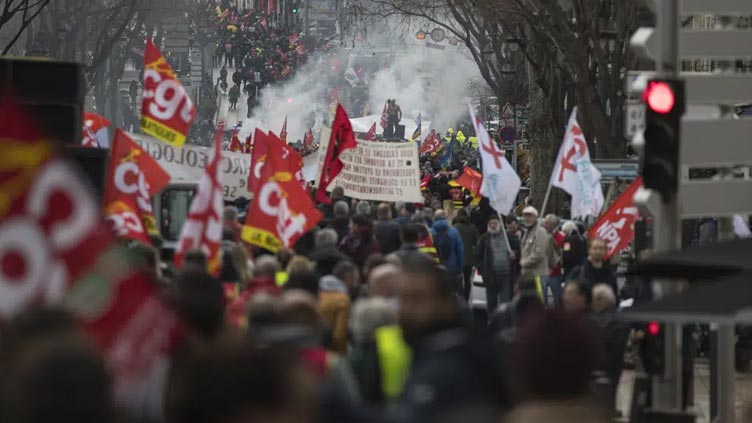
(342, 139)
(470, 179)
(425, 181)
(248, 144)
(203, 226)
(616, 225)
(235, 145)
(166, 110)
(371, 134)
(94, 130)
(283, 132)
(430, 144)
(281, 211)
(308, 140)
(258, 157)
(55, 249)
(384, 118)
(132, 180)
(292, 158)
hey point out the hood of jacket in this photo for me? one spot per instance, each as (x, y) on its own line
(440, 225)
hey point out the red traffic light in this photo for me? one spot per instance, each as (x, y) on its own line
(654, 328)
(659, 96)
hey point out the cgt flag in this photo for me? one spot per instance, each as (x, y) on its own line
(384, 122)
(166, 110)
(258, 157)
(95, 131)
(282, 210)
(430, 144)
(203, 226)
(308, 140)
(470, 179)
(342, 139)
(500, 182)
(133, 179)
(248, 144)
(55, 249)
(616, 226)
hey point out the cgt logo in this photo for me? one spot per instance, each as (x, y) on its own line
(130, 180)
(273, 202)
(38, 244)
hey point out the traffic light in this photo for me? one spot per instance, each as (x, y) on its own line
(664, 107)
(652, 350)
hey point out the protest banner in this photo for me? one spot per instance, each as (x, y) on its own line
(187, 164)
(377, 171)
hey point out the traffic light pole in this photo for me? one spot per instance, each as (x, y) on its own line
(667, 388)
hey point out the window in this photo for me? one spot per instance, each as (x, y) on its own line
(175, 204)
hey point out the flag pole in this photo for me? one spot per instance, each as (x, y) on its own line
(504, 231)
(545, 200)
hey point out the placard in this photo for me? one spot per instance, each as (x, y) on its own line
(187, 164)
(377, 171)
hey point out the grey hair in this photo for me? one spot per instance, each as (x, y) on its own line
(230, 213)
(265, 265)
(552, 218)
(364, 208)
(568, 227)
(370, 314)
(439, 214)
(341, 209)
(605, 291)
(326, 238)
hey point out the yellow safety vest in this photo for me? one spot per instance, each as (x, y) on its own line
(395, 358)
(280, 278)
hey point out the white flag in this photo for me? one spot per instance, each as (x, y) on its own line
(575, 173)
(500, 182)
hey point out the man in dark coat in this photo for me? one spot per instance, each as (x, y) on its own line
(360, 243)
(595, 270)
(387, 232)
(453, 372)
(495, 262)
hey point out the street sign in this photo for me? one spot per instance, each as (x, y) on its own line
(705, 44)
(506, 116)
(716, 142)
(507, 134)
(715, 198)
(623, 169)
(634, 118)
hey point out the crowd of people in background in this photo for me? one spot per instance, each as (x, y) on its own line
(252, 51)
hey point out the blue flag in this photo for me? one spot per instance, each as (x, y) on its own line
(446, 159)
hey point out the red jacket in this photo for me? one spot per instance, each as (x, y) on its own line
(559, 237)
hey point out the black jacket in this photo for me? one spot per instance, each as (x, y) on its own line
(484, 257)
(573, 253)
(592, 276)
(388, 235)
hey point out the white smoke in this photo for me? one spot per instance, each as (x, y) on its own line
(435, 83)
(432, 82)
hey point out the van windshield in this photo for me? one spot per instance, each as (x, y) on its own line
(175, 205)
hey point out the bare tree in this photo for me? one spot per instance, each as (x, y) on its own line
(15, 18)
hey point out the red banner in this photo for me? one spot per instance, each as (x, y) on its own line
(282, 211)
(258, 157)
(235, 145)
(166, 110)
(203, 226)
(616, 225)
(430, 144)
(55, 249)
(132, 180)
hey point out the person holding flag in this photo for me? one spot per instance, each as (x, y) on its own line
(500, 184)
(575, 173)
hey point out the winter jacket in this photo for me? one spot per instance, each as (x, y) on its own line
(591, 276)
(359, 246)
(449, 245)
(573, 253)
(469, 234)
(388, 234)
(534, 261)
(334, 308)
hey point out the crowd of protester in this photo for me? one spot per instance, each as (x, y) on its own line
(365, 320)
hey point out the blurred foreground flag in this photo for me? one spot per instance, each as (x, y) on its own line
(95, 131)
(55, 248)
